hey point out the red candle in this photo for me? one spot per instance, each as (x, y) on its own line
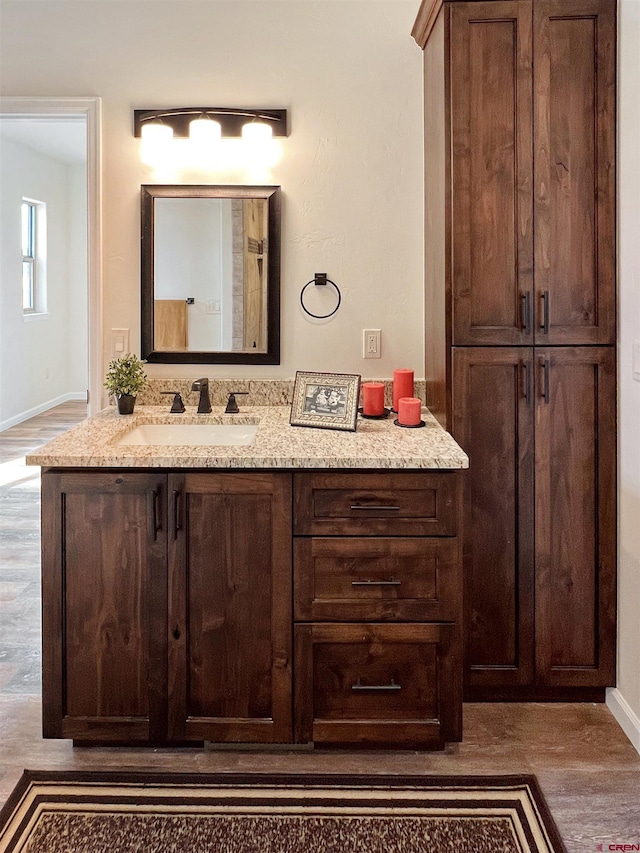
(402, 385)
(409, 410)
(372, 398)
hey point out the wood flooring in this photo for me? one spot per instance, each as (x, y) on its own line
(588, 770)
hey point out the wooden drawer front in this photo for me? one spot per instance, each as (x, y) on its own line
(351, 579)
(378, 684)
(422, 504)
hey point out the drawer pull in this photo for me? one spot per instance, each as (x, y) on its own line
(391, 686)
(376, 583)
(377, 507)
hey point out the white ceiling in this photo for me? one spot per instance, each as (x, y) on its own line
(64, 140)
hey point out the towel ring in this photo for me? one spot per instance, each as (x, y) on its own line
(320, 279)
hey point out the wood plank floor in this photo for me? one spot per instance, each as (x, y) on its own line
(587, 768)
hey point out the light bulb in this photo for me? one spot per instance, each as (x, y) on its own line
(204, 140)
(257, 133)
(156, 141)
(260, 149)
(205, 131)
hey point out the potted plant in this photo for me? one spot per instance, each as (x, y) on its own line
(125, 377)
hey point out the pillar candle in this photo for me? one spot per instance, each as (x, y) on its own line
(372, 398)
(409, 409)
(402, 385)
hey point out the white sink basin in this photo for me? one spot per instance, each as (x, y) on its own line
(189, 434)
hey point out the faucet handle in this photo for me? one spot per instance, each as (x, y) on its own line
(177, 406)
(232, 406)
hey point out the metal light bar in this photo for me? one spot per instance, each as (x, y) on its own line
(231, 119)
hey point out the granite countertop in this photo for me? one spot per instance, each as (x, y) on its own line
(375, 444)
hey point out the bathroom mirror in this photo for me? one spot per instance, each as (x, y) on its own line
(210, 274)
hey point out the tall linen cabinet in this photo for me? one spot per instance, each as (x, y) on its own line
(521, 329)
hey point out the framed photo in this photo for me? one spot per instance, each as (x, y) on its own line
(326, 400)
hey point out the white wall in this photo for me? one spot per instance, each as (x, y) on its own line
(351, 173)
(625, 702)
(42, 360)
(77, 276)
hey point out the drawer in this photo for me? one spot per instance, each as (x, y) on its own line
(375, 578)
(418, 504)
(378, 684)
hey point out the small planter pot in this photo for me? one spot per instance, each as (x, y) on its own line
(125, 404)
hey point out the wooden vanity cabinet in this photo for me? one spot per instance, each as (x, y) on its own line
(377, 605)
(520, 99)
(170, 617)
(166, 606)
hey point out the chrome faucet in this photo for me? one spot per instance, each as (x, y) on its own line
(204, 403)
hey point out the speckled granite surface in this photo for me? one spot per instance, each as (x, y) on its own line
(260, 392)
(375, 444)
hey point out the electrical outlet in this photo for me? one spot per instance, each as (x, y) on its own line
(371, 343)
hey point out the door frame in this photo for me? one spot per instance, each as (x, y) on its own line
(91, 109)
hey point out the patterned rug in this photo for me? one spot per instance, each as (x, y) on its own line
(59, 812)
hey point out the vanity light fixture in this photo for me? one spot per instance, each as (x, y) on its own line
(204, 127)
(204, 130)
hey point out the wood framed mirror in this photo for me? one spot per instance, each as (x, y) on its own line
(210, 274)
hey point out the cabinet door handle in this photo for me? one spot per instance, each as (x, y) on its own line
(544, 364)
(525, 375)
(376, 507)
(525, 312)
(175, 497)
(545, 312)
(380, 687)
(376, 583)
(156, 523)
(176, 633)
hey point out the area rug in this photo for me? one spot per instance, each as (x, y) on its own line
(60, 812)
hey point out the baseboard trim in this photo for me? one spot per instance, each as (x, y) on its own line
(624, 715)
(43, 407)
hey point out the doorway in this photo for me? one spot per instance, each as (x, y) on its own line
(52, 353)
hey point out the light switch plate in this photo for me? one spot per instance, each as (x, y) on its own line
(635, 361)
(119, 342)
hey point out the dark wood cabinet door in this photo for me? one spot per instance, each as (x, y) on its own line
(373, 504)
(575, 516)
(403, 579)
(104, 593)
(574, 153)
(373, 684)
(491, 172)
(493, 422)
(230, 607)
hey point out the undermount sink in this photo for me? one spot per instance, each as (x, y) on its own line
(189, 434)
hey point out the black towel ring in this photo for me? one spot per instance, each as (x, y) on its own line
(320, 279)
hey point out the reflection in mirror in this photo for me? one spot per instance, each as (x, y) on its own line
(211, 274)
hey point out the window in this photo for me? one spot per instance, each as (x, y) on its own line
(33, 274)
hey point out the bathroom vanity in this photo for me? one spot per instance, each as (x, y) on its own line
(303, 588)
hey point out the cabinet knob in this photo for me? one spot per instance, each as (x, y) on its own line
(176, 633)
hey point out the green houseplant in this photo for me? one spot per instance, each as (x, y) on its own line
(125, 377)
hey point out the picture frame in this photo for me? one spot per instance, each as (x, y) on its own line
(325, 400)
